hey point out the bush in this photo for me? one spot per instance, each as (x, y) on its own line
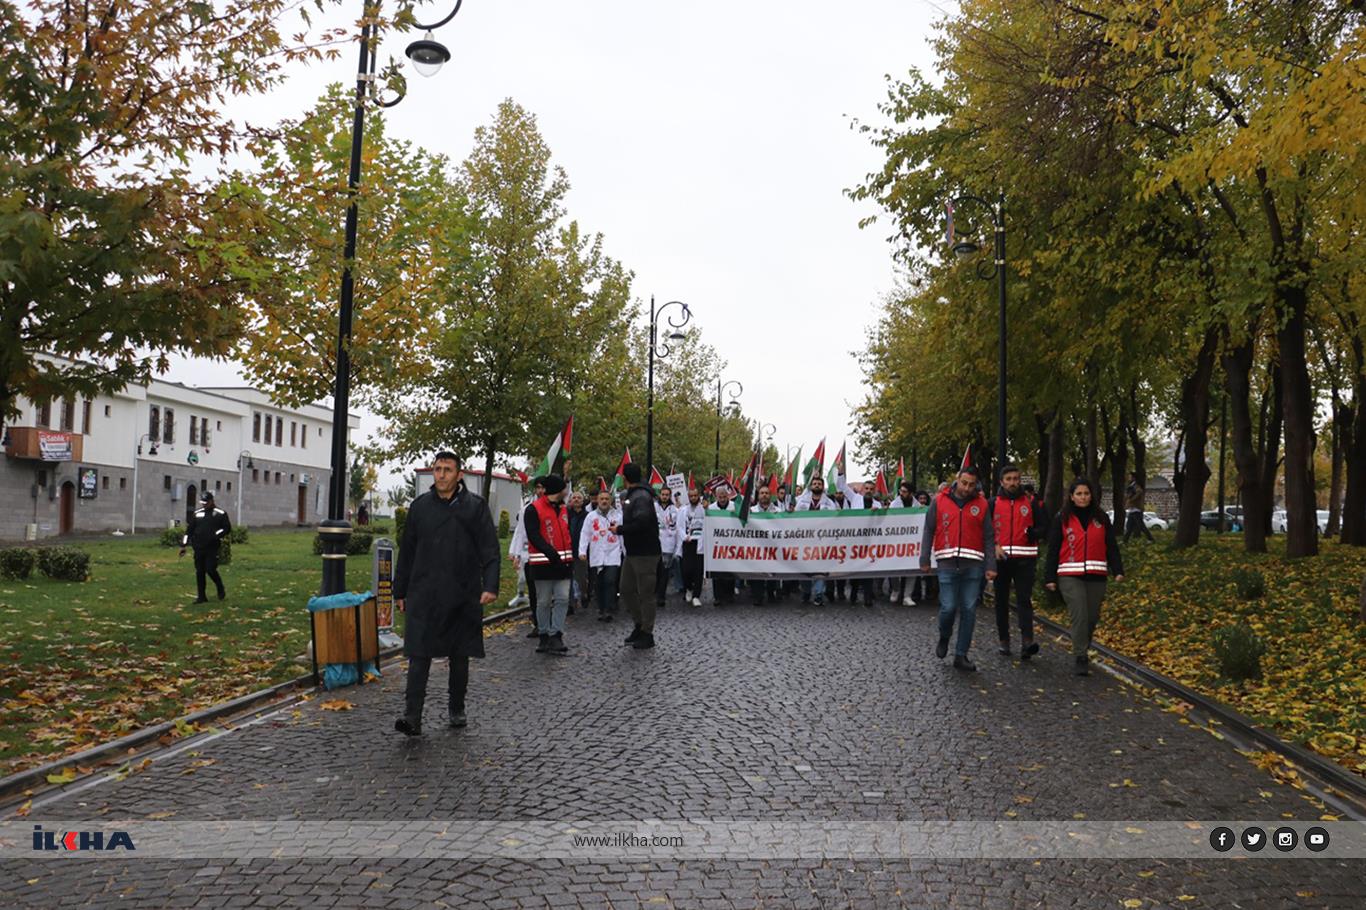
(17, 562)
(1239, 652)
(1249, 582)
(238, 534)
(504, 524)
(64, 563)
(378, 530)
(400, 519)
(225, 550)
(357, 544)
(171, 537)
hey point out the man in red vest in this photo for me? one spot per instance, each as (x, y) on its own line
(550, 562)
(1018, 524)
(961, 541)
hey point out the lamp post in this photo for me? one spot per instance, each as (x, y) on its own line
(659, 349)
(427, 56)
(998, 270)
(734, 397)
(137, 454)
(765, 435)
(250, 464)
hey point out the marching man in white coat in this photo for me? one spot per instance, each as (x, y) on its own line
(600, 546)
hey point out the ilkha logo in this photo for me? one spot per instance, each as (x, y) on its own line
(80, 840)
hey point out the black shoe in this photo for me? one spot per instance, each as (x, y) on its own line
(408, 726)
(544, 646)
(1029, 650)
(820, 600)
(534, 633)
(635, 633)
(458, 719)
(570, 611)
(941, 650)
(557, 645)
(1004, 649)
(659, 604)
(646, 640)
(222, 593)
(201, 600)
(960, 662)
(1083, 667)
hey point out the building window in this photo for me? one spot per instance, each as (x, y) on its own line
(255, 475)
(293, 434)
(42, 478)
(218, 425)
(85, 416)
(291, 478)
(108, 411)
(123, 483)
(269, 422)
(204, 432)
(277, 477)
(168, 431)
(218, 485)
(320, 431)
(166, 482)
(229, 486)
(69, 414)
(279, 431)
(194, 430)
(303, 435)
(154, 423)
(44, 414)
(256, 427)
(104, 481)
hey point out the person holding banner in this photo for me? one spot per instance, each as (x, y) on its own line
(1018, 523)
(1082, 553)
(667, 516)
(691, 523)
(550, 562)
(896, 588)
(764, 589)
(447, 573)
(813, 499)
(960, 538)
(640, 569)
(600, 550)
(723, 583)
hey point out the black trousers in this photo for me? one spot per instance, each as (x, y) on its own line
(1134, 524)
(206, 564)
(866, 586)
(761, 590)
(661, 582)
(530, 591)
(418, 670)
(692, 569)
(1019, 573)
(723, 588)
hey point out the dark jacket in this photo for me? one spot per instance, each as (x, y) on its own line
(558, 569)
(576, 520)
(448, 558)
(639, 523)
(207, 527)
(1112, 558)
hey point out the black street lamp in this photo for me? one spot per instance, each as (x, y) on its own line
(427, 56)
(964, 248)
(659, 349)
(734, 398)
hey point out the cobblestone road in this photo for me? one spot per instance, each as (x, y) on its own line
(773, 713)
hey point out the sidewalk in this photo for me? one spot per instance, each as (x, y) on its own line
(776, 714)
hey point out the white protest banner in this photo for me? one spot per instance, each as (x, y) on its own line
(851, 542)
(678, 486)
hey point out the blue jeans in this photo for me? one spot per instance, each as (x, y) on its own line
(605, 588)
(958, 593)
(813, 589)
(552, 603)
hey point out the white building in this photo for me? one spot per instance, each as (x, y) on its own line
(145, 453)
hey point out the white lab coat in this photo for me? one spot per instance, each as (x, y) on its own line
(804, 502)
(598, 542)
(669, 530)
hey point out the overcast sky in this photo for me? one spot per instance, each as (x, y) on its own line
(710, 144)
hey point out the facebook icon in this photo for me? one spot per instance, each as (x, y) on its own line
(1222, 839)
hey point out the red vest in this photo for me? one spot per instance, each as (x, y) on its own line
(555, 529)
(1011, 519)
(960, 532)
(1083, 549)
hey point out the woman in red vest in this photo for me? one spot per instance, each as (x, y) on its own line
(1082, 554)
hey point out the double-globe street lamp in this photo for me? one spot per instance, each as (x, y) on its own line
(427, 56)
(660, 349)
(963, 248)
(734, 399)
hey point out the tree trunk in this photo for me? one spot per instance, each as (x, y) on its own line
(1089, 453)
(1119, 466)
(1298, 407)
(1053, 486)
(1354, 499)
(1246, 458)
(1137, 446)
(486, 483)
(1342, 420)
(1041, 423)
(1271, 450)
(1194, 420)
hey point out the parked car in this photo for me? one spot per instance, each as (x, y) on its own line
(1232, 521)
(1323, 521)
(1278, 521)
(1151, 521)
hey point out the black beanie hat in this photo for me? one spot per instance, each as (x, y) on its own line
(554, 483)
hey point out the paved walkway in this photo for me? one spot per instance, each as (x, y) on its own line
(781, 713)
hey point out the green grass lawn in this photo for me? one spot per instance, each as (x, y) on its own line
(86, 663)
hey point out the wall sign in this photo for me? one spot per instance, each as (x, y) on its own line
(88, 483)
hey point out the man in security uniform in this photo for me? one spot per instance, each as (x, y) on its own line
(1018, 522)
(208, 525)
(960, 537)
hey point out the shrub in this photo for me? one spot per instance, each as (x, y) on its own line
(1249, 582)
(400, 519)
(504, 524)
(238, 534)
(171, 537)
(225, 550)
(378, 530)
(357, 544)
(64, 563)
(1239, 652)
(17, 562)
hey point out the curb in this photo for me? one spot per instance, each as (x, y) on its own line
(35, 779)
(1345, 790)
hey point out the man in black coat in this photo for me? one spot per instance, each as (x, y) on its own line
(447, 573)
(208, 525)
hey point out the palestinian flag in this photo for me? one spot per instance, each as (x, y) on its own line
(967, 459)
(790, 477)
(557, 457)
(881, 486)
(837, 471)
(656, 479)
(816, 465)
(900, 471)
(619, 482)
(691, 485)
(773, 483)
(747, 481)
(602, 484)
